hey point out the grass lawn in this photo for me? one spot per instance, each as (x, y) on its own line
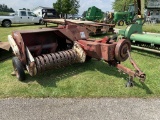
(90, 79)
(4, 13)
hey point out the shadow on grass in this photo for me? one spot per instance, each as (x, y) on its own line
(75, 69)
(4, 55)
(101, 35)
(50, 78)
(18, 25)
(146, 53)
(144, 86)
(23, 25)
(28, 25)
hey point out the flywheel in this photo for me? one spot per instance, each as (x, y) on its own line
(121, 49)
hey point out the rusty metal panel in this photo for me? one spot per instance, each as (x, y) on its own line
(91, 48)
(93, 28)
(99, 49)
(4, 45)
(75, 32)
(107, 51)
(21, 46)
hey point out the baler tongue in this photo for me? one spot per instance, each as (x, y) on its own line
(137, 73)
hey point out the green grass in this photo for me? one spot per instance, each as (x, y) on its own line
(7, 31)
(4, 13)
(91, 79)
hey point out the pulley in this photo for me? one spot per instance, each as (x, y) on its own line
(121, 50)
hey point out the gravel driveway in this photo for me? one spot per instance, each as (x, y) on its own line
(79, 109)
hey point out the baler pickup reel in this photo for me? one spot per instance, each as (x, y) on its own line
(40, 50)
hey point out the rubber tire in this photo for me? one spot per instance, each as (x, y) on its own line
(6, 23)
(120, 22)
(41, 22)
(18, 68)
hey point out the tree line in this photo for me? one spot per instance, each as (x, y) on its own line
(5, 8)
(64, 7)
(121, 5)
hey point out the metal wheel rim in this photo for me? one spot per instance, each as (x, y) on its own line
(121, 23)
(7, 24)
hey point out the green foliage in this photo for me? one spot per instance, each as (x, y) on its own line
(74, 7)
(4, 13)
(4, 8)
(121, 5)
(58, 6)
(66, 6)
(84, 14)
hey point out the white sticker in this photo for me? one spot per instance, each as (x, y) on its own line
(82, 35)
(15, 34)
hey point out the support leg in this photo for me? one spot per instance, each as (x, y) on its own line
(130, 82)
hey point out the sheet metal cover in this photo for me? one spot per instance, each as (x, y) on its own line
(4, 45)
